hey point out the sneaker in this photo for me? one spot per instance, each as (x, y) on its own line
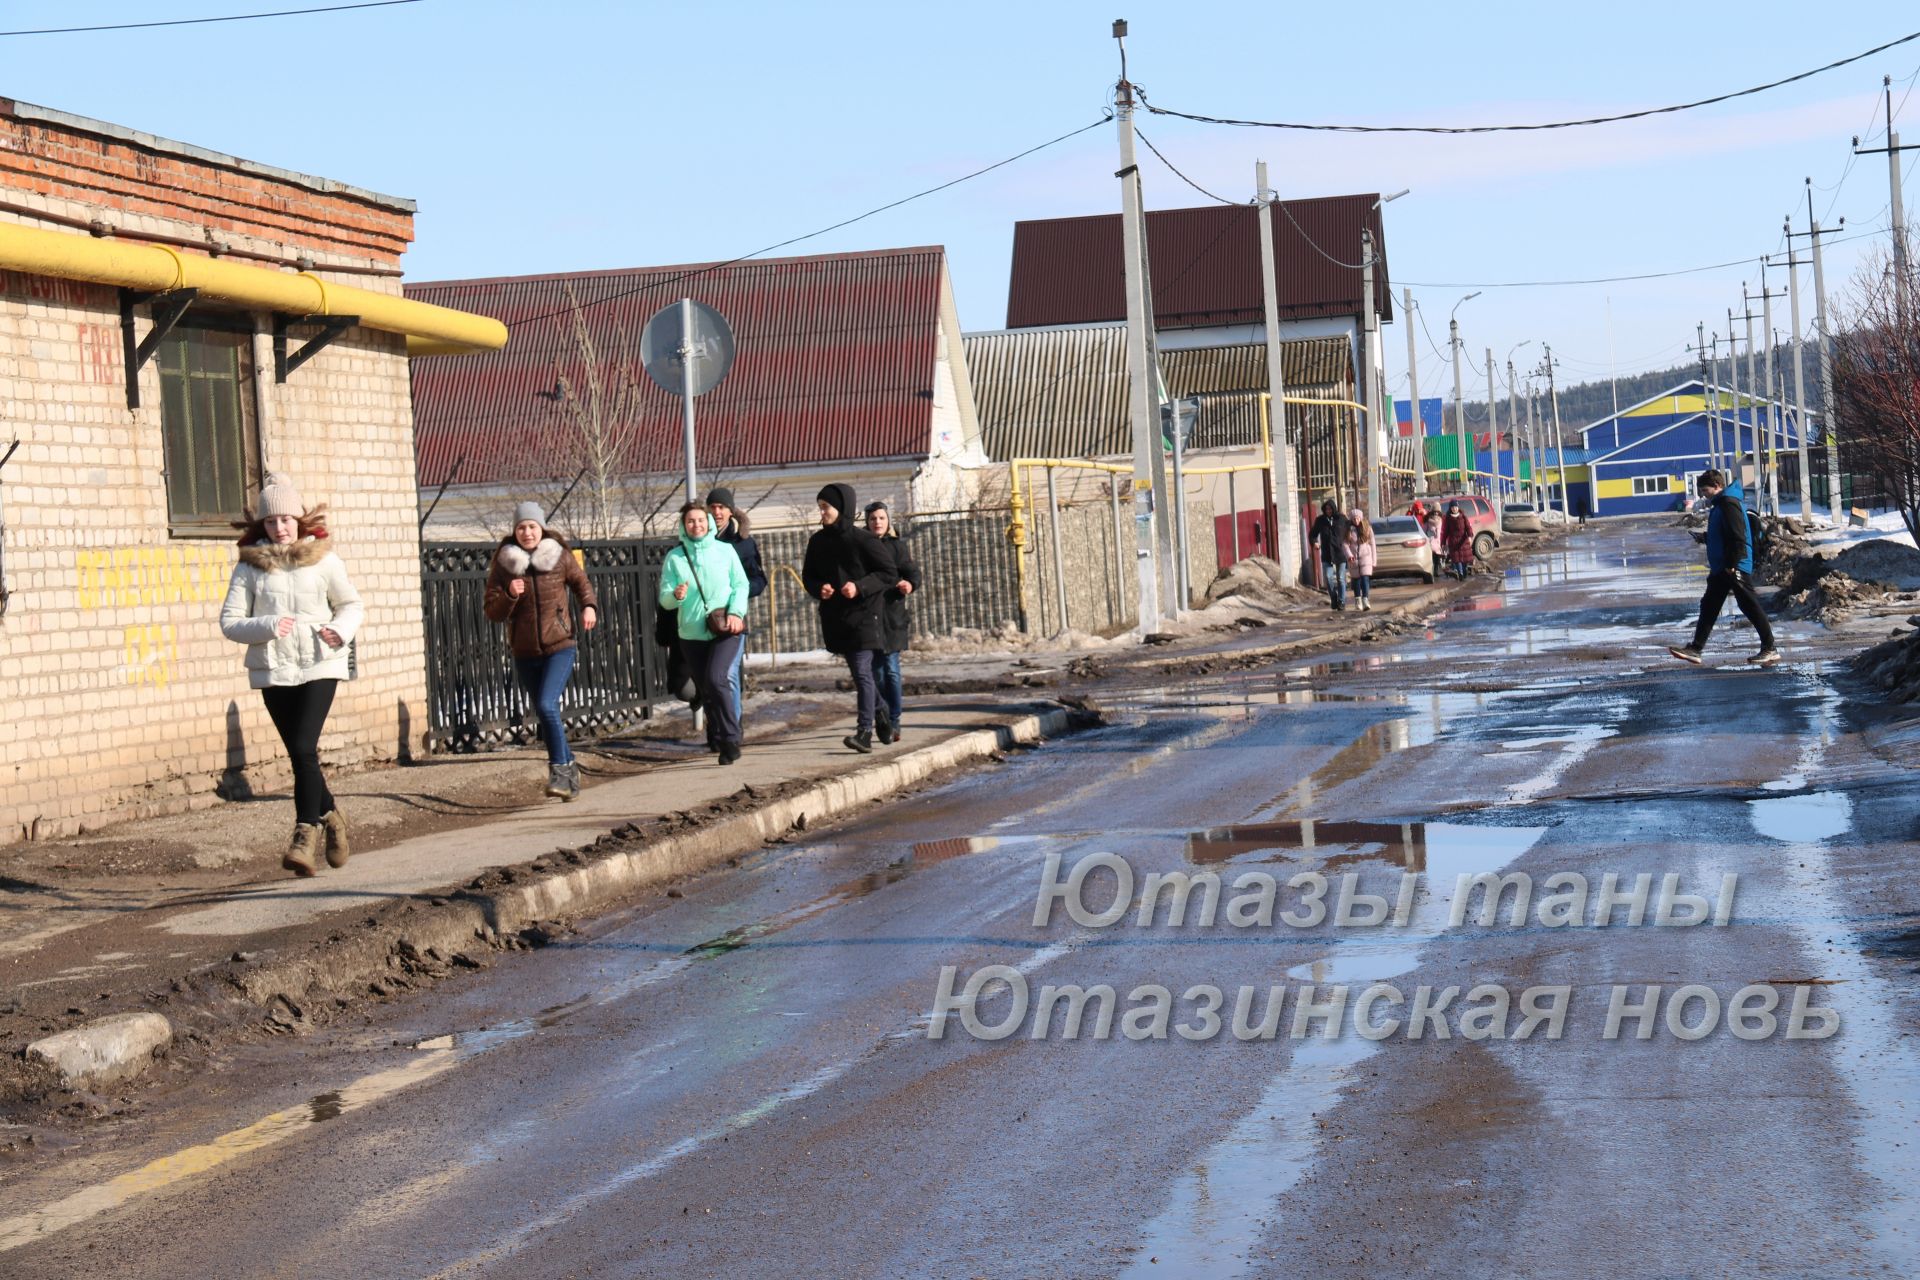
(1767, 657)
(861, 741)
(1685, 652)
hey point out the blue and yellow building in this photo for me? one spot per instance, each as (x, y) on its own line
(1647, 457)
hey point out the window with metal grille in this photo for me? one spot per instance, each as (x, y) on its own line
(206, 416)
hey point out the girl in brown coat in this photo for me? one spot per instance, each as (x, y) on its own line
(527, 589)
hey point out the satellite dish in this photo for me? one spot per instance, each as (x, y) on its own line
(665, 352)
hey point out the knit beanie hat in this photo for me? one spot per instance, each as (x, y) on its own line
(530, 511)
(720, 497)
(278, 497)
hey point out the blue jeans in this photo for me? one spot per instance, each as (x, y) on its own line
(735, 678)
(1362, 585)
(1336, 583)
(545, 679)
(886, 677)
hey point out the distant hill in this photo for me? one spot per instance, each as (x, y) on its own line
(1585, 402)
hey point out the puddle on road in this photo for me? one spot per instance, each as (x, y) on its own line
(1431, 847)
(1223, 1207)
(1820, 816)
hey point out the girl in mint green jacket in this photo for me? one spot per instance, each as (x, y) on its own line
(703, 581)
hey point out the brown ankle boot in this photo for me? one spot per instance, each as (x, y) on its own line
(338, 847)
(303, 854)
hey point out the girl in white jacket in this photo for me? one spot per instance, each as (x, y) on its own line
(291, 604)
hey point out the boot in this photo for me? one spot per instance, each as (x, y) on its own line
(729, 752)
(303, 854)
(338, 847)
(557, 781)
(883, 730)
(861, 741)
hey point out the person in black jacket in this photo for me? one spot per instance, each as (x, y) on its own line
(848, 571)
(730, 524)
(1330, 532)
(896, 623)
(1730, 554)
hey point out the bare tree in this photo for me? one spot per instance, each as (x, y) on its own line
(1876, 382)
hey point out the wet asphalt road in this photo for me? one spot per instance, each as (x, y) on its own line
(740, 1082)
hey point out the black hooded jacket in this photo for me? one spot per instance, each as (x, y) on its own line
(840, 553)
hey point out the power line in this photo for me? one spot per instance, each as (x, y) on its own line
(844, 222)
(1522, 128)
(1176, 172)
(194, 22)
(1314, 244)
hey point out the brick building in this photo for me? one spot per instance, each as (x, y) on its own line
(173, 323)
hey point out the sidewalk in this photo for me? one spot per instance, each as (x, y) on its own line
(209, 956)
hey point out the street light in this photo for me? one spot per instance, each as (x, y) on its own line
(1370, 362)
(1459, 404)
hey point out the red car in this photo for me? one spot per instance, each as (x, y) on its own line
(1481, 515)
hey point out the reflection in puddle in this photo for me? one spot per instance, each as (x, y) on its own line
(1802, 819)
(1405, 843)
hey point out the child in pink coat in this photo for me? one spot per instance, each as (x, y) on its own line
(1362, 556)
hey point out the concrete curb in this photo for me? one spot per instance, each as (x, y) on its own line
(105, 1050)
(452, 924)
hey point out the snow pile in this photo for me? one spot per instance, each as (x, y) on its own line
(1261, 581)
(964, 642)
(1830, 599)
(1889, 562)
(1894, 665)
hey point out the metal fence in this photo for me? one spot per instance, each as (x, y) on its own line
(473, 699)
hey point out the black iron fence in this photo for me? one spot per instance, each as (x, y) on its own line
(474, 701)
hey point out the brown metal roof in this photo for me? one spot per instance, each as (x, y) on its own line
(835, 362)
(1062, 393)
(1206, 265)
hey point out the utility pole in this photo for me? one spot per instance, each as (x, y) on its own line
(1799, 379)
(1825, 319)
(1753, 402)
(1142, 397)
(1369, 361)
(1773, 405)
(1286, 502)
(1738, 467)
(1559, 442)
(1533, 447)
(1461, 438)
(1898, 209)
(1715, 442)
(1513, 420)
(1706, 388)
(1493, 432)
(1413, 398)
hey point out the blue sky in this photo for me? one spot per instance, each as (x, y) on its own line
(577, 135)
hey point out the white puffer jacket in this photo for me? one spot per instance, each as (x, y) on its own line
(304, 581)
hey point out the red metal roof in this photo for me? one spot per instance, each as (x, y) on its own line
(1205, 262)
(835, 359)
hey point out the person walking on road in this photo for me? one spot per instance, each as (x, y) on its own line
(896, 624)
(1730, 548)
(848, 570)
(533, 570)
(1330, 533)
(730, 526)
(1362, 557)
(704, 583)
(1456, 541)
(291, 603)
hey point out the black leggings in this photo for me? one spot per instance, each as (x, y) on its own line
(299, 712)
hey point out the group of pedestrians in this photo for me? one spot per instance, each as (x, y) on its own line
(291, 603)
(1348, 553)
(1449, 537)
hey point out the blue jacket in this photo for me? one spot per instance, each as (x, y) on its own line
(1728, 543)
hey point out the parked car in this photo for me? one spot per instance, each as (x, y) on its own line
(1484, 520)
(1520, 517)
(1402, 547)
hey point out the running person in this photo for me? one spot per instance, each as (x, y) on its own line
(1729, 570)
(533, 569)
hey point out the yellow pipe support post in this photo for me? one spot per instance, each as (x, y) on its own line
(66, 255)
(1017, 526)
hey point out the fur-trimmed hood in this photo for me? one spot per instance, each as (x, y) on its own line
(271, 557)
(544, 558)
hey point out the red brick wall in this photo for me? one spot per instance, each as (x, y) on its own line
(113, 174)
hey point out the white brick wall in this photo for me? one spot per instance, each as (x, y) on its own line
(122, 698)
